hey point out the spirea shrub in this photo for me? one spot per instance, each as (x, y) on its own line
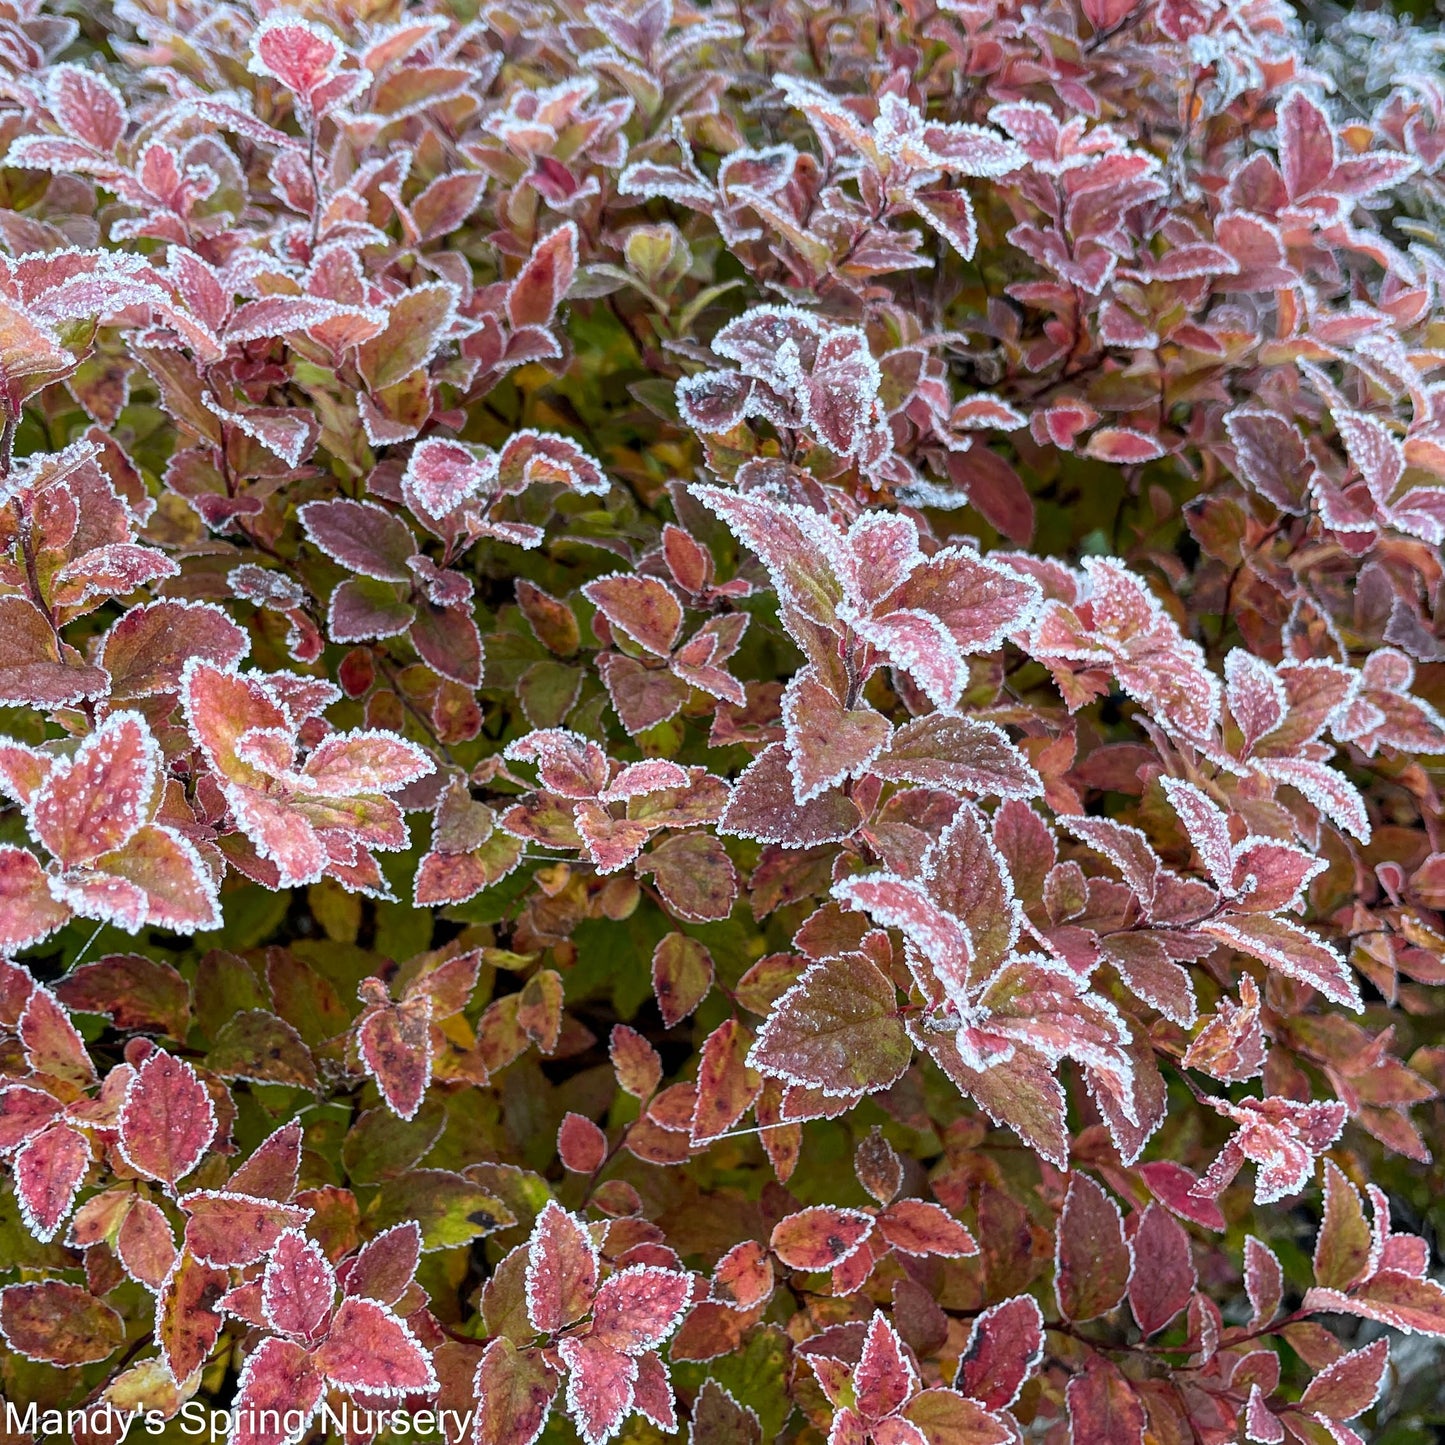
(721, 720)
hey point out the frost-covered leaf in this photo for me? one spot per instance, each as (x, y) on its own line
(1093, 1262)
(369, 1350)
(562, 1270)
(167, 1120)
(60, 1324)
(838, 1030)
(820, 1237)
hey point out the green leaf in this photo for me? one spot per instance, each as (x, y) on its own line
(450, 1209)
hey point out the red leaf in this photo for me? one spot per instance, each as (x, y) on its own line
(682, 974)
(537, 291)
(638, 1067)
(272, 1171)
(1263, 1281)
(363, 536)
(1004, 1348)
(514, 1390)
(966, 755)
(639, 1307)
(994, 487)
(134, 992)
(1231, 1045)
(167, 1121)
(1306, 145)
(820, 1237)
(726, 1085)
(837, 1029)
(826, 741)
(53, 1046)
(298, 1286)
(145, 1244)
(1103, 1408)
(764, 807)
(31, 671)
(1093, 1261)
(188, 1322)
(1123, 446)
(96, 801)
(235, 1230)
(581, 1145)
(600, 1387)
(885, 1379)
(562, 1270)
(87, 106)
(744, 1276)
(49, 1170)
(148, 646)
(1163, 1278)
(917, 1227)
(297, 53)
(29, 912)
(641, 608)
(385, 1266)
(370, 1351)
(24, 1112)
(1290, 950)
(1344, 1246)
(1400, 1300)
(277, 1383)
(394, 1041)
(1350, 1385)
(652, 1394)
(1174, 1186)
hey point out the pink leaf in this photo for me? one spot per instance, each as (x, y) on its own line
(49, 1170)
(96, 801)
(600, 1387)
(298, 1286)
(233, 1229)
(395, 1044)
(514, 1390)
(363, 536)
(885, 1379)
(837, 1030)
(537, 291)
(1123, 446)
(278, 1382)
(641, 608)
(299, 54)
(562, 1270)
(87, 106)
(1351, 1384)
(385, 1265)
(1263, 1281)
(167, 1120)
(371, 1351)
(639, 1307)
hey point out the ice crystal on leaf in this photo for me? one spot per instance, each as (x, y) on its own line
(604, 606)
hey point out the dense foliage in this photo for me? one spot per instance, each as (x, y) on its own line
(722, 719)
